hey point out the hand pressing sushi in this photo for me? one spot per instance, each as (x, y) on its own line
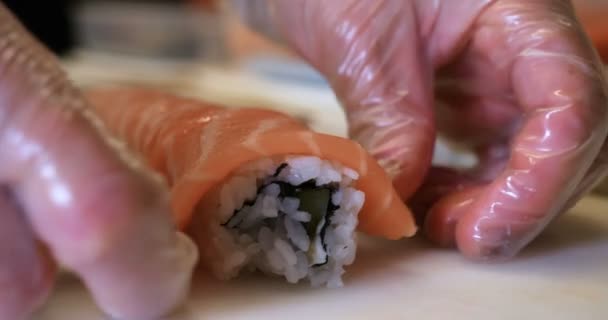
(69, 197)
(515, 80)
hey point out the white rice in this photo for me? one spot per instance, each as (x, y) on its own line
(266, 232)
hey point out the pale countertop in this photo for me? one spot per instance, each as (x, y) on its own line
(563, 275)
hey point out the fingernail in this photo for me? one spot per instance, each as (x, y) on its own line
(440, 227)
(493, 242)
(496, 253)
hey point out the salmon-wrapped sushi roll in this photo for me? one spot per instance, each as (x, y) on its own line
(255, 188)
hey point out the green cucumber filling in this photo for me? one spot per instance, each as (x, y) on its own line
(295, 218)
(314, 200)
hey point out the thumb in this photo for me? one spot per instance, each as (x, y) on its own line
(371, 54)
(101, 215)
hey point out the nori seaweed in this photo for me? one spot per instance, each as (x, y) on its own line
(292, 191)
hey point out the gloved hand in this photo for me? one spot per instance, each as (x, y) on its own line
(69, 196)
(515, 80)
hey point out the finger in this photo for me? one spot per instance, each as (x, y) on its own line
(443, 217)
(483, 116)
(371, 54)
(443, 181)
(595, 175)
(26, 273)
(101, 214)
(492, 160)
(439, 182)
(468, 105)
(559, 85)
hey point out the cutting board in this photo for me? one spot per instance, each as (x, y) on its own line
(562, 275)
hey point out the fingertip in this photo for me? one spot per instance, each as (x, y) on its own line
(490, 238)
(158, 290)
(411, 176)
(443, 218)
(481, 245)
(439, 182)
(440, 226)
(408, 155)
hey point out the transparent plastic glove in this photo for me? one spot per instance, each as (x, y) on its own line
(516, 80)
(68, 197)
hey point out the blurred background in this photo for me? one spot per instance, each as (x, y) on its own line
(201, 48)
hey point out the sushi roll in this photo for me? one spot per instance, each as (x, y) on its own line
(292, 216)
(255, 188)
